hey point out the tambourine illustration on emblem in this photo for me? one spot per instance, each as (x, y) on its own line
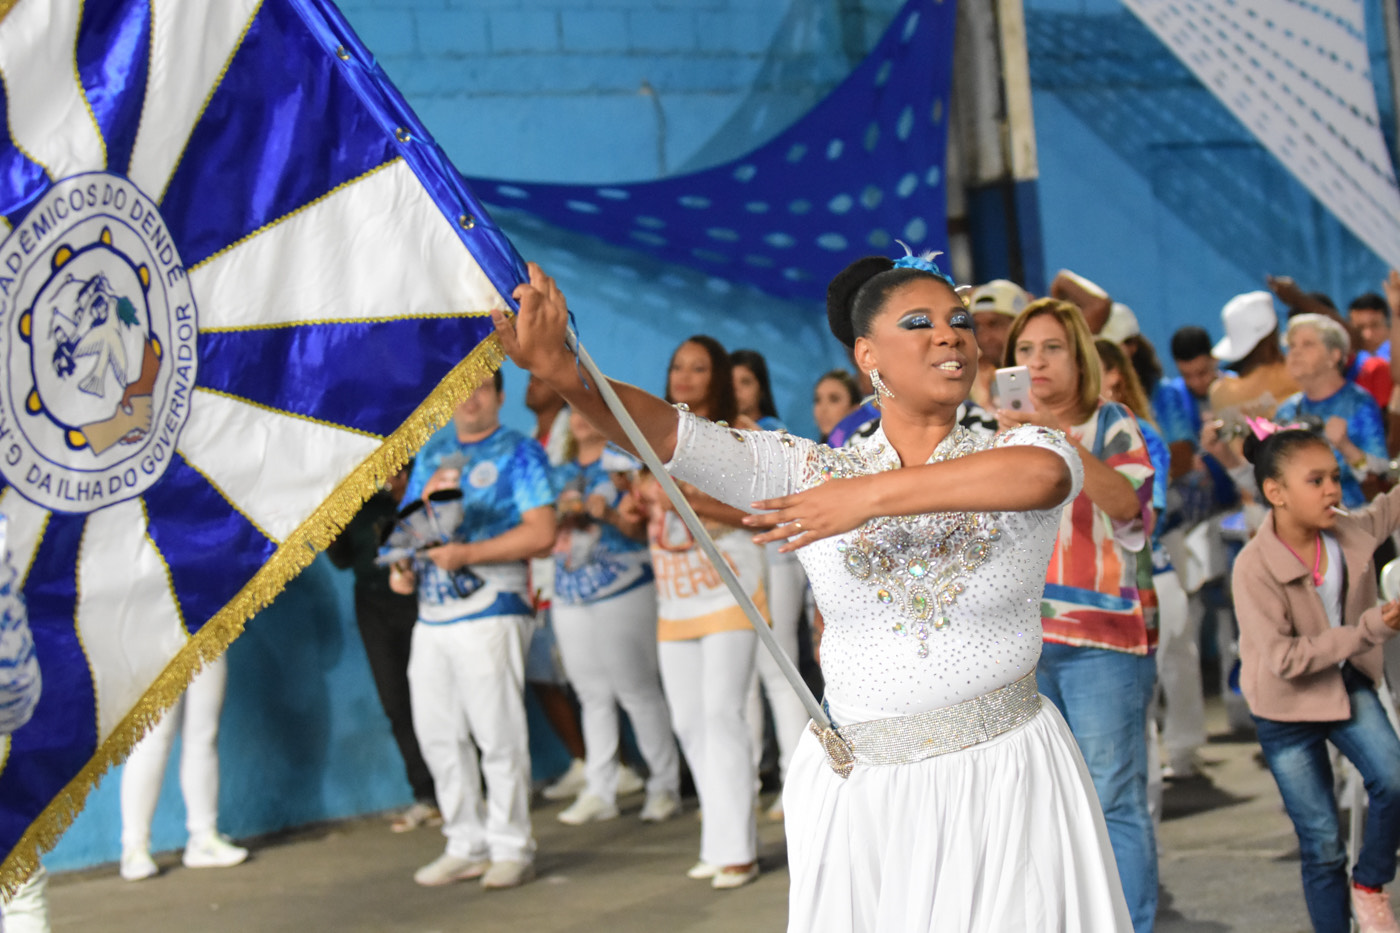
(92, 355)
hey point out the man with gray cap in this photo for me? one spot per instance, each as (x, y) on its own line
(1251, 348)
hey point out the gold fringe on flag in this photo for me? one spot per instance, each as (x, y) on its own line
(294, 555)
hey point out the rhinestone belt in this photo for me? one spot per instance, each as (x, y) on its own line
(907, 739)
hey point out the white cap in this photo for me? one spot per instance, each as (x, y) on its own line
(999, 295)
(1248, 319)
(1122, 323)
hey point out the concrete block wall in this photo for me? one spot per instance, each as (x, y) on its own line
(639, 89)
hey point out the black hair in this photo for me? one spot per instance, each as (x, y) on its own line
(719, 396)
(1370, 301)
(1190, 343)
(858, 292)
(848, 382)
(754, 362)
(1270, 454)
(498, 379)
(1145, 363)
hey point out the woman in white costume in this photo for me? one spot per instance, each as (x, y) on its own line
(196, 717)
(605, 622)
(954, 799)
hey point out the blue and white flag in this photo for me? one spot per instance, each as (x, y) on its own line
(239, 285)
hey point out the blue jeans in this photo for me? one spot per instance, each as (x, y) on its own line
(1103, 695)
(1297, 756)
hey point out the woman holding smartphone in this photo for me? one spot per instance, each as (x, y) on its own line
(1099, 608)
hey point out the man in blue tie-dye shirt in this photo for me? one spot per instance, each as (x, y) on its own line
(466, 669)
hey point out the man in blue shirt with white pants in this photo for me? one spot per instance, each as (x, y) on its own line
(466, 669)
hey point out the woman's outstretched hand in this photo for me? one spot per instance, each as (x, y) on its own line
(534, 338)
(833, 508)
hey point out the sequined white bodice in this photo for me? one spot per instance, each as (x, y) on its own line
(921, 612)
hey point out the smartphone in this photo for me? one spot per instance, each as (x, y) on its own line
(1013, 389)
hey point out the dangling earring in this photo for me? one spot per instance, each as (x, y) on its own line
(879, 385)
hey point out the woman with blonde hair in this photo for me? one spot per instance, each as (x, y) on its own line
(1099, 609)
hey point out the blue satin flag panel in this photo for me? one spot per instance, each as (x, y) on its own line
(312, 132)
(391, 368)
(114, 48)
(62, 735)
(22, 180)
(201, 536)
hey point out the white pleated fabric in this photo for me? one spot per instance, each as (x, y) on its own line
(1002, 837)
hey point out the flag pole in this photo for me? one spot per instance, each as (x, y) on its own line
(697, 530)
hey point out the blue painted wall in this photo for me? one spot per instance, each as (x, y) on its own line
(1100, 218)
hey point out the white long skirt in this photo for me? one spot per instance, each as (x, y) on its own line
(1003, 837)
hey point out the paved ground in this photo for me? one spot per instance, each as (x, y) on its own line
(1229, 863)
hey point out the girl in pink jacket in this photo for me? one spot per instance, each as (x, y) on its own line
(1310, 648)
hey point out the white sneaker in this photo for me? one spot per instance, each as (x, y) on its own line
(447, 868)
(588, 809)
(702, 871)
(660, 807)
(137, 865)
(629, 781)
(508, 874)
(417, 814)
(570, 784)
(1371, 910)
(213, 850)
(1182, 768)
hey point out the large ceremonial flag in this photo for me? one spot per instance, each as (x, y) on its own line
(239, 285)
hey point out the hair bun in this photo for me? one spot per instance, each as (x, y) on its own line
(841, 294)
(1251, 446)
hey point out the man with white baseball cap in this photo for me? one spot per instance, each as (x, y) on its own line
(994, 306)
(1251, 348)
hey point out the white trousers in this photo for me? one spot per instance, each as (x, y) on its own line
(196, 715)
(707, 683)
(28, 910)
(466, 683)
(787, 587)
(609, 652)
(1179, 667)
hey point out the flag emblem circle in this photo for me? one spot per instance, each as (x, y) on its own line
(99, 343)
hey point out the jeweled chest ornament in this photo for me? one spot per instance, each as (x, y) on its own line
(917, 565)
